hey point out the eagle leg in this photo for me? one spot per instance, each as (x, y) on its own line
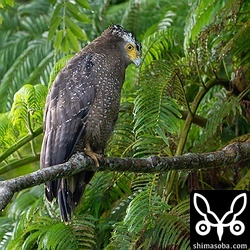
(88, 151)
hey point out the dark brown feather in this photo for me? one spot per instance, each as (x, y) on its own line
(82, 108)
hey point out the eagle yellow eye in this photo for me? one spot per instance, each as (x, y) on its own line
(129, 47)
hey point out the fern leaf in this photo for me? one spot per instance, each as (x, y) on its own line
(123, 137)
(5, 231)
(155, 113)
(222, 106)
(58, 236)
(24, 49)
(144, 207)
(20, 127)
(27, 109)
(149, 144)
(166, 21)
(156, 46)
(131, 15)
(21, 70)
(7, 132)
(155, 107)
(120, 239)
(172, 228)
(238, 44)
(84, 230)
(142, 212)
(201, 14)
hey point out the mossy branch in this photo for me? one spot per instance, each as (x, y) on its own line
(233, 153)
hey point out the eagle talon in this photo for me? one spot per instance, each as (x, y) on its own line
(96, 157)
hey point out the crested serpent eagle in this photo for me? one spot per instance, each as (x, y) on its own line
(82, 108)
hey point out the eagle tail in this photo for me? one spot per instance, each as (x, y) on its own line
(65, 200)
(69, 192)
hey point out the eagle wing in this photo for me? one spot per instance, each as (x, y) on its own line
(67, 107)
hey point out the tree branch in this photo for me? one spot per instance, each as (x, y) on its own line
(233, 153)
(21, 143)
(197, 119)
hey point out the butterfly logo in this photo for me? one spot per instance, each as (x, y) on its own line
(210, 219)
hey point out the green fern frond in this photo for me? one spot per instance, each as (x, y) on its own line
(122, 140)
(200, 15)
(24, 201)
(172, 228)
(33, 233)
(34, 26)
(35, 229)
(31, 241)
(85, 231)
(142, 209)
(20, 212)
(142, 182)
(141, 214)
(238, 44)
(114, 13)
(27, 109)
(7, 225)
(105, 189)
(146, 204)
(130, 16)
(22, 69)
(159, 115)
(121, 239)
(57, 236)
(222, 106)
(42, 71)
(155, 114)
(11, 49)
(150, 144)
(167, 21)
(119, 209)
(123, 137)
(170, 72)
(34, 8)
(7, 132)
(21, 127)
(157, 45)
(155, 109)
(17, 233)
(24, 49)
(162, 13)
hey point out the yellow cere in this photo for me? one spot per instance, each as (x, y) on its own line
(131, 50)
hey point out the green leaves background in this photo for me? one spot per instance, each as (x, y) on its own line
(195, 65)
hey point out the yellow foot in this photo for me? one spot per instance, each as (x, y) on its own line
(88, 151)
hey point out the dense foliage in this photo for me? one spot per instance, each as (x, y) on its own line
(191, 94)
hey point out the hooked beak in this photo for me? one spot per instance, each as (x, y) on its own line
(137, 61)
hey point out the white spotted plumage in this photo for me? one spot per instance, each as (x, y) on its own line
(81, 110)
